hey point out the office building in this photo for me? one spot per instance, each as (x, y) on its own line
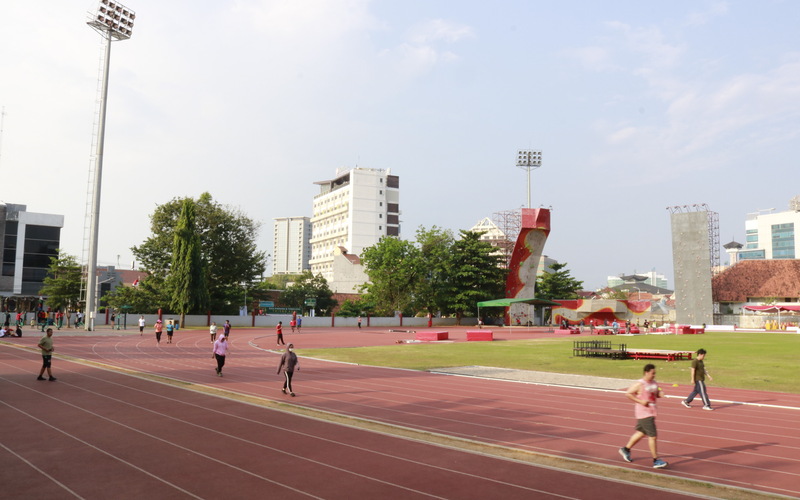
(291, 251)
(772, 235)
(352, 211)
(29, 241)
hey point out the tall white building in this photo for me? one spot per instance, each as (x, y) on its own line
(773, 235)
(291, 250)
(352, 211)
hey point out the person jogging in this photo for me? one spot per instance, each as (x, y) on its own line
(288, 364)
(699, 375)
(46, 345)
(644, 393)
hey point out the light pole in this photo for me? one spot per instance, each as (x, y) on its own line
(638, 293)
(114, 22)
(528, 159)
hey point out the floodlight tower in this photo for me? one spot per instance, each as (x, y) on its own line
(113, 21)
(528, 159)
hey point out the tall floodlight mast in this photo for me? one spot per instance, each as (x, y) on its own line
(528, 159)
(113, 21)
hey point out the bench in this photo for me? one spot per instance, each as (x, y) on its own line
(432, 335)
(480, 335)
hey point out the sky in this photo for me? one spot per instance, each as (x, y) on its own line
(636, 107)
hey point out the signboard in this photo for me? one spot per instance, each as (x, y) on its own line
(311, 302)
(266, 303)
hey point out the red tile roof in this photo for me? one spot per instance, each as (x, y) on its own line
(758, 278)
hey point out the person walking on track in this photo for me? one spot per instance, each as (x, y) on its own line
(279, 332)
(644, 393)
(213, 331)
(141, 325)
(288, 364)
(159, 328)
(46, 345)
(699, 375)
(219, 352)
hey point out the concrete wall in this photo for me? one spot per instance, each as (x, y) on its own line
(692, 266)
(272, 320)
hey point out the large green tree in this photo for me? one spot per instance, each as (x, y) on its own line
(475, 273)
(62, 285)
(227, 249)
(309, 286)
(394, 268)
(433, 288)
(557, 284)
(187, 275)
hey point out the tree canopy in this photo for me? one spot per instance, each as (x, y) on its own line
(437, 274)
(558, 284)
(187, 272)
(309, 286)
(227, 250)
(62, 285)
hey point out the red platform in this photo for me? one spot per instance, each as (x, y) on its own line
(432, 335)
(480, 335)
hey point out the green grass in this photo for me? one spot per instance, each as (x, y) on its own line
(760, 361)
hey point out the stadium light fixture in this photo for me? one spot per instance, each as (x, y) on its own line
(529, 159)
(113, 21)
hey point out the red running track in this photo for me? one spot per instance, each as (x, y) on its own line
(739, 445)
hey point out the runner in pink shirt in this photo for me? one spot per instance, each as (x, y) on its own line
(644, 393)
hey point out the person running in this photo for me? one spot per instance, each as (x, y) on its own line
(159, 328)
(699, 374)
(226, 328)
(170, 331)
(288, 364)
(644, 393)
(219, 351)
(279, 331)
(213, 331)
(46, 345)
(141, 325)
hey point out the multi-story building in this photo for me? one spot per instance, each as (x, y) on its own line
(772, 235)
(29, 241)
(353, 211)
(291, 250)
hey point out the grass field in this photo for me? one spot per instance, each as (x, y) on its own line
(760, 361)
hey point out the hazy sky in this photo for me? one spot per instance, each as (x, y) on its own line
(636, 105)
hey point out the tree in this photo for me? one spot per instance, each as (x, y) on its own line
(309, 286)
(435, 247)
(353, 308)
(394, 268)
(475, 273)
(187, 276)
(62, 285)
(557, 284)
(227, 249)
(133, 299)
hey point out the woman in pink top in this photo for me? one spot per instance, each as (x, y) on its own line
(220, 351)
(644, 393)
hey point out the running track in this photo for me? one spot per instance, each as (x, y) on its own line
(81, 429)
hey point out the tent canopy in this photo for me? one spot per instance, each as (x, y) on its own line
(508, 302)
(772, 309)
